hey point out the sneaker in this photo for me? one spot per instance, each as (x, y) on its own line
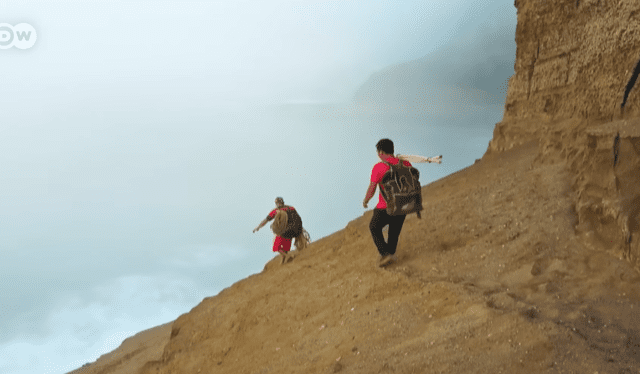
(289, 258)
(385, 260)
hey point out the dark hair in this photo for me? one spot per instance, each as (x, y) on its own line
(280, 199)
(386, 146)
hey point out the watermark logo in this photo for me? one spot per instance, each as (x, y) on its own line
(21, 36)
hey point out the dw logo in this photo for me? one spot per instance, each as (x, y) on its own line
(21, 36)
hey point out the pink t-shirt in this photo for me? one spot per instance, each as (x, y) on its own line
(378, 172)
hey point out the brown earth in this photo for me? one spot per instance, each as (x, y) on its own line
(525, 262)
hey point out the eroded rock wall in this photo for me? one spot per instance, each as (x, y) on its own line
(574, 90)
(574, 58)
(606, 163)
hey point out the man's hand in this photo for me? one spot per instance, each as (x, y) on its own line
(264, 222)
(370, 192)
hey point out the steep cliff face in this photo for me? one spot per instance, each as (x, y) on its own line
(574, 58)
(606, 166)
(574, 90)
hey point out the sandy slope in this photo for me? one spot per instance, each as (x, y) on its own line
(492, 279)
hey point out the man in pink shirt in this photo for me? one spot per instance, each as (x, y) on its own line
(380, 217)
(281, 243)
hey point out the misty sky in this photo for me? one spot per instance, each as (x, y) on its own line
(141, 142)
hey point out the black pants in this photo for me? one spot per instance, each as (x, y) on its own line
(379, 220)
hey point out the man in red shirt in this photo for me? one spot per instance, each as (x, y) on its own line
(281, 243)
(380, 217)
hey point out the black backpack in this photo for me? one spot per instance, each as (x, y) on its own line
(294, 223)
(401, 190)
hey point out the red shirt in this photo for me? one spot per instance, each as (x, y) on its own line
(378, 172)
(275, 211)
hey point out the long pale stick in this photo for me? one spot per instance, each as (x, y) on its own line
(420, 159)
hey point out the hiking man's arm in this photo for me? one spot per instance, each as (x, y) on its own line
(370, 192)
(264, 222)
